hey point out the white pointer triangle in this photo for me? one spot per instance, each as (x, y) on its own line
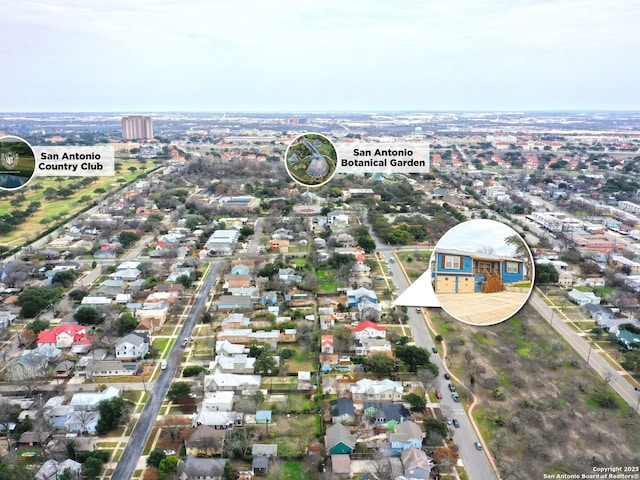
(419, 294)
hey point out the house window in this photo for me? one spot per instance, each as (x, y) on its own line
(512, 267)
(452, 262)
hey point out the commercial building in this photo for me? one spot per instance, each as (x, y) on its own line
(137, 127)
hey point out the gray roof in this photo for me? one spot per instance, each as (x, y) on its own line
(338, 433)
(194, 467)
(342, 406)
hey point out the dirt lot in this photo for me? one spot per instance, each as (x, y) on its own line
(540, 405)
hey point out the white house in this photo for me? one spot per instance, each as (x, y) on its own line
(372, 390)
(132, 346)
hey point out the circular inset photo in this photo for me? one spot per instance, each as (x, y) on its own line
(482, 272)
(17, 163)
(311, 160)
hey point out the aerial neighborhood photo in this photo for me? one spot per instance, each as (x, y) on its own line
(284, 241)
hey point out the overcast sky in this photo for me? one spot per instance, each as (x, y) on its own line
(330, 55)
(479, 236)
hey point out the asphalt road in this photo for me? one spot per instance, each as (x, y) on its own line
(133, 451)
(475, 462)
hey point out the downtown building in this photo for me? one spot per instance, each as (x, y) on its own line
(137, 127)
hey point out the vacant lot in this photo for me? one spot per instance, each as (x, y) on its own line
(540, 405)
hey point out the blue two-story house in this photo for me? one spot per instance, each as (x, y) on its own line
(406, 435)
(457, 271)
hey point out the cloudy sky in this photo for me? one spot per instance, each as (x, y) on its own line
(331, 55)
(482, 236)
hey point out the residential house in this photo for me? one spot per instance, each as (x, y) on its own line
(82, 401)
(194, 468)
(221, 401)
(369, 346)
(231, 381)
(357, 296)
(237, 364)
(582, 298)
(126, 274)
(111, 368)
(63, 369)
(368, 329)
(152, 315)
(386, 415)
(326, 344)
(327, 318)
(6, 318)
(235, 320)
(225, 347)
(228, 303)
(416, 464)
(456, 271)
(339, 440)
(219, 420)
(405, 435)
(631, 340)
(237, 281)
(63, 336)
(376, 390)
(289, 275)
(27, 367)
(205, 441)
(342, 411)
(54, 470)
(132, 346)
(82, 422)
(262, 454)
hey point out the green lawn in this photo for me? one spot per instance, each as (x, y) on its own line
(292, 471)
(32, 227)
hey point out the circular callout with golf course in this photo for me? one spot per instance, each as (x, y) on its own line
(311, 160)
(17, 163)
(482, 272)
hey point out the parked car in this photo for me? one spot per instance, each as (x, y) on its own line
(447, 376)
(169, 452)
(456, 423)
(478, 445)
(448, 420)
(185, 342)
(438, 395)
(434, 349)
(455, 396)
(163, 365)
(418, 310)
(452, 387)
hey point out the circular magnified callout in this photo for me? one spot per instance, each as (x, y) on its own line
(311, 160)
(482, 272)
(17, 163)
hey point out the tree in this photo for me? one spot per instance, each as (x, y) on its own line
(177, 390)
(380, 364)
(445, 456)
(417, 402)
(112, 411)
(37, 325)
(125, 323)
(412, 356)
(155, 457)
(92, 467)
(9, 413)
(193, 371)
(167, 466)
(546, 273)
(87, 316)
(78, 295)
(127, 238)
(64, 278)
(228, 474)
(35, 300)
(265, 363)
(437, 426)
(185, 280)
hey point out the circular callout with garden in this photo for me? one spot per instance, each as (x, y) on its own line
(17, 163)
(482, 272)
(311, 160)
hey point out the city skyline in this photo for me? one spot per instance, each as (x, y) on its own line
(331, 57)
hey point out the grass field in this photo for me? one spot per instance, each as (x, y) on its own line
(59, 208)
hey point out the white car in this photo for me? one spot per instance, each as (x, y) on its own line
(163, 365)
